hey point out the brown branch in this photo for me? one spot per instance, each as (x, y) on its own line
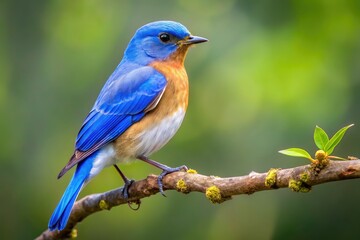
(217, 189)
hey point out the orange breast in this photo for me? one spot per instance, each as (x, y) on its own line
(174, 100)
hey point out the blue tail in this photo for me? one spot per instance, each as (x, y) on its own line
(62, 212)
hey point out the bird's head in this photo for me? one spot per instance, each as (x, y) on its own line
(159, 41)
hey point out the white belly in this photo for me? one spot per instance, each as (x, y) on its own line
(155, 138)
(149, 141)
(104, 158)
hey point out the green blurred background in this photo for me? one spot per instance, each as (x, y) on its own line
(271, 72)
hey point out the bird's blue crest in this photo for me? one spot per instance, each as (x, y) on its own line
(146, 46)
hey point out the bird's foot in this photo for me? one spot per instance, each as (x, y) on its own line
(165, 170)
(168, 170)
(125, 189)
(127, 182)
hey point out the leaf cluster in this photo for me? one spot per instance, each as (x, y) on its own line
(325, 144)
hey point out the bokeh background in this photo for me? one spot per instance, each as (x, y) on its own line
(271, 72)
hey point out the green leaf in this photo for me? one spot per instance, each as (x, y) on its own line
(335, 140)
(296, 152)
(320, 138)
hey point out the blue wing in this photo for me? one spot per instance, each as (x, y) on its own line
(121, 103)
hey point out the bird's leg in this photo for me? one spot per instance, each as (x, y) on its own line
(165, 170)
(127, 182)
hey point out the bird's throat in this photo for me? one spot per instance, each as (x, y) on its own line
(178, 57)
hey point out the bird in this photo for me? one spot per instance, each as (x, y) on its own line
(139, 109)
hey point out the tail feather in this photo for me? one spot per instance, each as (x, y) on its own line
(62, 212)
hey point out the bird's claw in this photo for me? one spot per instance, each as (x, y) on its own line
(125, 190)
(165, 172)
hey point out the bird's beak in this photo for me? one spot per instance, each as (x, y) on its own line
(194, 40)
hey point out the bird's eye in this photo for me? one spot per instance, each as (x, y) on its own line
(164, 37)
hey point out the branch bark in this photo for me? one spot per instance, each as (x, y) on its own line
(216, 189)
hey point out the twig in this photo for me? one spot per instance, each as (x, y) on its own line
(216, 189)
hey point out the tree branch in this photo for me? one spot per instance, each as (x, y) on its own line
(216, 189)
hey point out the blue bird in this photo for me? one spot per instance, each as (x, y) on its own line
(139, 109)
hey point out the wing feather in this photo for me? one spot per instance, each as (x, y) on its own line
(121, 103)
